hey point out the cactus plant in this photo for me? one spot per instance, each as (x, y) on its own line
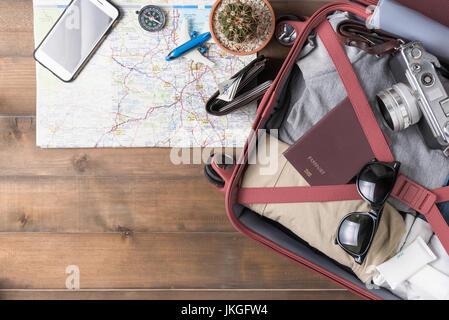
(237, 22)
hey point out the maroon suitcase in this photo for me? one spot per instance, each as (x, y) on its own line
(275, 237)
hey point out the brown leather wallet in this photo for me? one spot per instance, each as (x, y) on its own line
(248, 89)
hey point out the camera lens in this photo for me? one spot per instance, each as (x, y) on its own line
(385, 113)
(399, 107)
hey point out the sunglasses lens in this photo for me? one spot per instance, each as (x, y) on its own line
(375, 182)
(355, 232)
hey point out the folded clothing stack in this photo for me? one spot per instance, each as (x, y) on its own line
(430, 278)
(317, 222)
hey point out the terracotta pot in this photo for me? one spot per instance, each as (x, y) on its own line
(212, 13)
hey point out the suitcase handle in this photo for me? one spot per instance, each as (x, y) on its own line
(219, 169)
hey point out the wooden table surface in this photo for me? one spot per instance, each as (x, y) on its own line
(137, 226)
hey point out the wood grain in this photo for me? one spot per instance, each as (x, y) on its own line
(148, 260)
(20, 156)
(100, 190)
(138, 226)
(108, 204)
(17, 86)
(16, 16)
(178, 294)
(16, 44)
(17, 68)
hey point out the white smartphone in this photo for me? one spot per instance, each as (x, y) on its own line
(76, 35)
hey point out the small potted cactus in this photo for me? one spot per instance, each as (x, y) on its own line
(237, 22)
(242, 26)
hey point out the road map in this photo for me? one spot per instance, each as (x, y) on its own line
(129, 96)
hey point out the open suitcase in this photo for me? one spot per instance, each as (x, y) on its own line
(276, 237)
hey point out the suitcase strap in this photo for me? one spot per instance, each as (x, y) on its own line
(405, 190)
(355, 93)
(355, 33)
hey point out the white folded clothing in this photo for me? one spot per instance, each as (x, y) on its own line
(406, 263)
(442, 261)
(419, 228)
(401, 290)
(409, 220)
(428, 283)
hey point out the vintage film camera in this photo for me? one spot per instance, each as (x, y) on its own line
(418, 97)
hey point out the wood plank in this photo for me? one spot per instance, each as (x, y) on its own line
(93, 190)
(174, 294)
(110, 204)
(158, 260)
(18, 86)
(17, 67)
(15, 44)
(16, 15)
(20, 156)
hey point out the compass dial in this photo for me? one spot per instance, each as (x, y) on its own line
(152, 18)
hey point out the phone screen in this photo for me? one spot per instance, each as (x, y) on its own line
(76, 34)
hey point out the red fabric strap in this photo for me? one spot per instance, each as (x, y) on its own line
(355, 93)
(413, 195)
(405, 190)
(298, 194)
(442, 194)
(424, 201)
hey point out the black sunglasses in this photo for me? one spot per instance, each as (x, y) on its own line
(356, 231)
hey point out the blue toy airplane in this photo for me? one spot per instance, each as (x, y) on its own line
(192, 41)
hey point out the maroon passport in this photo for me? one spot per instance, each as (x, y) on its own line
(334, 150)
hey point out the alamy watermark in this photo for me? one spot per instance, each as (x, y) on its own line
(72, 282)
(265, 153)
(73, 18)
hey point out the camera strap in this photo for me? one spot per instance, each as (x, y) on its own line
(355, 33)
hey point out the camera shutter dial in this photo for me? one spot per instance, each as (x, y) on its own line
(427, 79)
(416, 53)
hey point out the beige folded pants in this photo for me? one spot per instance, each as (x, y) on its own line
(317, 222)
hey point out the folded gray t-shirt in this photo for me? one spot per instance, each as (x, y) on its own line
(318, 89)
